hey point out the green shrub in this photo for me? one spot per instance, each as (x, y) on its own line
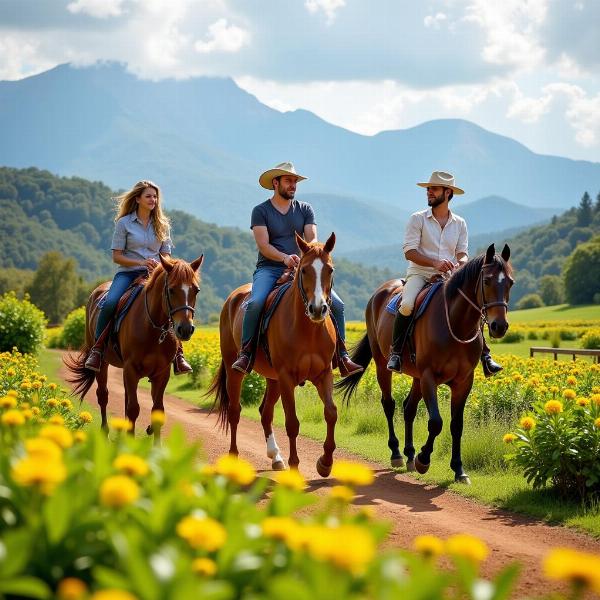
(532, 334)
(530, 301)
(568, 334)
(512, 337)
(73, 333)
(253, 389)
(21, 324)
(555, 338)
(591, 339)
(53, 337)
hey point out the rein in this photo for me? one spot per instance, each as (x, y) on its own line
(482, 310)
(167, 326)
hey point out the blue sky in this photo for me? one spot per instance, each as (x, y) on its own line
(528, 69)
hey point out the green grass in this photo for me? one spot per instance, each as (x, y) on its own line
(560, 312)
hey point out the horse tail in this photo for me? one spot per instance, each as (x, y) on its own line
(218, 388)
(362, 355)
(81, 378)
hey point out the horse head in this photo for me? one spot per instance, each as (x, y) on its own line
(181, 286)
(496, 281)
(314, 277)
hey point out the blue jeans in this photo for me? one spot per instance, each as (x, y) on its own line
(263, 282)
(121, 281)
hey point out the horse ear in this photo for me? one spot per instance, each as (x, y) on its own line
(489, 255)
(166, 263)
(505, 252)
(304, 247)
(197, 263)
(330, 243)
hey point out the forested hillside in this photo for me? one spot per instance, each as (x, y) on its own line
(40, 212)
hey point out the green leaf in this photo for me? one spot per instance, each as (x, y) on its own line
(504, 582)
(16, 552)
(25, 587)
(57, 514)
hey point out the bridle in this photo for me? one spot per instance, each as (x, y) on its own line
(482, 310)
(167, 326)
(300, 284)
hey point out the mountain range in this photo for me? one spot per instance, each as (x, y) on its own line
(205, 141)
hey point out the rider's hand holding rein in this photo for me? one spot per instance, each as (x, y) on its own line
(291, 260)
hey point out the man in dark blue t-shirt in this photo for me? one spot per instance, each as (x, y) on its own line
(275, 223)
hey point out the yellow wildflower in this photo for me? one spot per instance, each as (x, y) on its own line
(25, 405)
(11, 372)
(131, 465)
(571, 381)
(279, 528)
(157, 418)
(118, 491)
(517, 377)
(71, 588)
(597, 422)
(428, 545)
(43, 449)
(113, 594)
(596, 398)
(119, 424)
(553, 407)
(527, 423)
(27, 413)
(291, 479)
(343, 493)
(467, 546)
(35, 410)
(12, 393)
(36, 385)
(33, 471)
(58, 434)
(85, 416)
(56, 420)
(52, 386)
(52, 402)
(582, 401)
(569, 394)
(508, 438)
(204, 566)
(554, 389)
(25, 385)
(202, 533)
(235, 469)
(80, 436)
(66, 403)
(8, 402)
(13, 418)
(579, 568)
(352, 473)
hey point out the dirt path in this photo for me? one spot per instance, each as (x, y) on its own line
(412, 507)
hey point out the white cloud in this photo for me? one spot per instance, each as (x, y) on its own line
(223, 38)
(435, 21)
(20, 57)
(329, 7)
(100, 9)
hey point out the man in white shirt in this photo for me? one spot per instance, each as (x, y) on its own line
(435, 243)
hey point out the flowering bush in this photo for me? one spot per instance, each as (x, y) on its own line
(73, 331)
(591, 339)
(21, 324)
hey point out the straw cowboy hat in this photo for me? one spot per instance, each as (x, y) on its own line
(285, 168)
(443, 179)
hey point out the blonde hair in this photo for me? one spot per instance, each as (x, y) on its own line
(127, 203)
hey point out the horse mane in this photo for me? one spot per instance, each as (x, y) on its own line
(181, 273)
(470, 270)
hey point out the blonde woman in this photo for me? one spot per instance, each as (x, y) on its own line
(142, 231)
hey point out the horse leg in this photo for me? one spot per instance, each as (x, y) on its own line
(266, 418)
(409, 406)
(102, 394)
(132, 407)
(435, 423)
(157, 390)
(384, 378)
(324, 386)
(460, 393)
(234, 389)
(292, 424)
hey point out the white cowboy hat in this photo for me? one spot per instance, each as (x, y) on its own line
(444, 179)
(285, 168)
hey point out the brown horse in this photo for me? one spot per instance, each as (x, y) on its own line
(301, 340)
(161, 314)
(447, 344)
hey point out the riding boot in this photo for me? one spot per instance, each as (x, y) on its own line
(245, 358)
(490, 366)
(401, 323)
(180, 365)
(93, 362)
(344, 362)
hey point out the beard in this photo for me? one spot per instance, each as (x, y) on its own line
(433, 202)
(287, 194)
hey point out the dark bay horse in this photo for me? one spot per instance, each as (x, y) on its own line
(161, 314)
(448, 345)
(301, 339)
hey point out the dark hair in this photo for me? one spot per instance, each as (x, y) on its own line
(278, 178)
(451, 194)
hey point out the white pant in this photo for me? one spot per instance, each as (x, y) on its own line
(414, 284)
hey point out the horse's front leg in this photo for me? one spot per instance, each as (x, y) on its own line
(435, 423)
(460, 393)
(130, 383)
(102, 394)
(410, 406)
(324, 386)
(292, 425)
(157, 390)
(384, 378)
(234, 408)
(266, 409)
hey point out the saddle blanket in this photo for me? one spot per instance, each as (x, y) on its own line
(393, 305)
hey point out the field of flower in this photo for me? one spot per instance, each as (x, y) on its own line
(83, 516)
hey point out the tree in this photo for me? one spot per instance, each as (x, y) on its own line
(551, 290)
(597, 205)
(581, 273)
(54, 287)
(584, 211)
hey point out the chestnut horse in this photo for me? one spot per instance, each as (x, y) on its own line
(162, 313)
(301, 339)
(447, 344)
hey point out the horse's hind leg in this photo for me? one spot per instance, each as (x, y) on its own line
(434, 424)
(457, 409)
(409, 406)
(102, 394)
(266, 418)
(384, 378)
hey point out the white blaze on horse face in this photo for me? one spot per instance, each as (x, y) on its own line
(501, 277)
(319, 296)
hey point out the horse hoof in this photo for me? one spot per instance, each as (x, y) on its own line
(410, 466)
(278, 465)
(149, 430)
(323, 470)
(464, 478)
(421, 467)
(397, 462)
